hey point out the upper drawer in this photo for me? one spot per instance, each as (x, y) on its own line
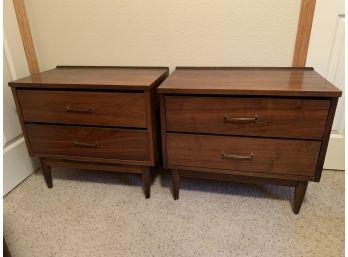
(266, 117)
(90, 108)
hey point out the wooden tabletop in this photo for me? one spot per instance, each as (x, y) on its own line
(248, 81)
(95, 77)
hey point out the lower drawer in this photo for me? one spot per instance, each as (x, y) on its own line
(109, 143)
(281, 156)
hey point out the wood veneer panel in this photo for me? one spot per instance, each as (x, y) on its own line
(268, 117)
(92, 142)
(249, 81)
(97, 78)
(93, 166)
(88, 108)
(279, 156)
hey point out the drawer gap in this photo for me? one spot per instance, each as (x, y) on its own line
(241, 136)
(87, 125)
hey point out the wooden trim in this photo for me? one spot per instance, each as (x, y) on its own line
(92, 159)
(21, 119)
(217, 172)
(240, 68)
(326, 138)
(111, 66)
(94, 166)
(153, 120)
(27, 40)
(149, 125)
(236, 178)
(163, 130)
(303, 33)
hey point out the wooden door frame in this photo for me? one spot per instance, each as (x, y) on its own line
(304, 28)
(27, 40)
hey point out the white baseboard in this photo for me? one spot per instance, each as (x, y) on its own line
(335, 153)
(18, 165)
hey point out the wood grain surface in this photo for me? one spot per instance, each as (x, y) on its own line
(94, 77)
(93, 166)
(264, 117)
(278, 156)
(249, 81)
(88, 108)
(94, 142)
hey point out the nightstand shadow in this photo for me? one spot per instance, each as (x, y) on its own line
(266, 191)
(102, 177)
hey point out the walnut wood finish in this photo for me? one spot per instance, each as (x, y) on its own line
(96, 78)
(108, 143)
(46, 170)
(300, 82)
(97, 166)
(235, 178)
(21, 120)
(146, 181)
(247, 124)
(248, 174)
(86, 108)
(300, 192)
(265, 117)
(163, 130)
(92, 117)
(153, 125)
(243, 154)
(326, 139)
(176, 183)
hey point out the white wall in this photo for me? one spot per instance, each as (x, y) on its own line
(159, 32)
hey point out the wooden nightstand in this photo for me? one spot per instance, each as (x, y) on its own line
(257, 125)
(98, 118)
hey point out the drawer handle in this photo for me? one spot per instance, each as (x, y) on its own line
(240, 119)
(77, 143)
(70, 108)
(236, 156)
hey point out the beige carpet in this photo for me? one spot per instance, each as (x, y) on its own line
(105, 214)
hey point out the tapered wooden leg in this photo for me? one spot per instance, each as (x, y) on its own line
(46, 170)
(300, 191)
(176, 183)
(147, 181)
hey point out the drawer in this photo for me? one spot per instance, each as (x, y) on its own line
(265, 117)
(94, 142)
(90, 108)
(280, 156)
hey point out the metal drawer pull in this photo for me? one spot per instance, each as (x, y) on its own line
(69, 108)
(77, 143)
(236, 156)
(240, 119)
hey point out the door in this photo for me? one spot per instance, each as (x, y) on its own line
(326, 55)
(17, 163)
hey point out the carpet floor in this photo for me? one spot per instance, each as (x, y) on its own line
(105, 214)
